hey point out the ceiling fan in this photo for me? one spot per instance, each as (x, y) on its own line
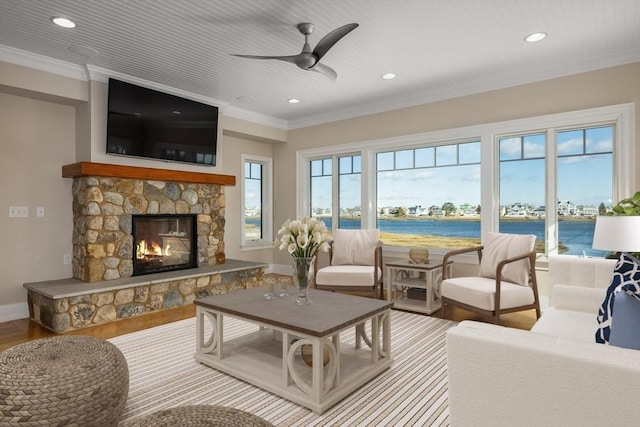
(310, 60)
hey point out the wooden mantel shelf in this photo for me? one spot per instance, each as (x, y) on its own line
(102, 169)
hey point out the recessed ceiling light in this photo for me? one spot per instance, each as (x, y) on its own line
(535, 37)
(388, 76)
(63, 22)
(293, 100)
(83, 50)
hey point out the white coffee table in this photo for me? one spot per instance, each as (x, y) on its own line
(273, 364)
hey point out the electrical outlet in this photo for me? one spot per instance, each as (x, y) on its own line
(40, 211)
(18, 211)
(66, 259)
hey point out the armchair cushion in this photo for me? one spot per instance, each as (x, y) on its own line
(354, 247)
(626, 277)
(500, 246)
(480, 292)
(347, 275)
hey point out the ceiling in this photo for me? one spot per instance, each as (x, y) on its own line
(438, 48)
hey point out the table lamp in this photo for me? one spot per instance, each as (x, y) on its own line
(617, 233)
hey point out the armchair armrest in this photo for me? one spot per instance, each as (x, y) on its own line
(456, 252)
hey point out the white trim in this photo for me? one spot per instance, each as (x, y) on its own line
(42, 63)
(266, 209)
(14, 312)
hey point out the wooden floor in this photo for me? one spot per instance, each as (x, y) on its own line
(19, 331)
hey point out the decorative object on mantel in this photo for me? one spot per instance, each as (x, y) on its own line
(303, 238)
(418, 255)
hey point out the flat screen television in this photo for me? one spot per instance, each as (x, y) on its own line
(146, 123)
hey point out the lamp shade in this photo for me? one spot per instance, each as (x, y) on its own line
(617, 233)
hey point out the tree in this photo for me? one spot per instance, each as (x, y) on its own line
(602, 209)
(448, 208)
(401, 211)
(478, 210)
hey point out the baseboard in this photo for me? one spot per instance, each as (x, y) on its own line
(14, 311)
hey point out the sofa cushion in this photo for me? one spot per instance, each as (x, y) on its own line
(626, 277)
(575, 325)
(500, 246)
(625, 327)
(354, 247)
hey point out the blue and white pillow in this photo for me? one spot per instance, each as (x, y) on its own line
(626, 277)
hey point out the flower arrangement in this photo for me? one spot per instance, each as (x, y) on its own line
(304, 237)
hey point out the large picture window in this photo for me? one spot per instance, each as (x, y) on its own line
(430, 196)
(448, 188)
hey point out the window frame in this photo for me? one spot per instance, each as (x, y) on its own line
(267, 203)
(624, 179)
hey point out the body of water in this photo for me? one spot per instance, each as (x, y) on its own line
(577, 236)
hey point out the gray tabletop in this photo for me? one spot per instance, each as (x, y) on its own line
(329, 313)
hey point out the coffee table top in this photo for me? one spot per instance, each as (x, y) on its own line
(329, 313)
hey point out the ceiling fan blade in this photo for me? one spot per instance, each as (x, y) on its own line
(323, 69)
(332, 38)
(291, 58)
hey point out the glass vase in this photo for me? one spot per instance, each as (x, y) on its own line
(302, 277)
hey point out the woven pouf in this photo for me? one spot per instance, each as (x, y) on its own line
(201, 416)
(63, 381)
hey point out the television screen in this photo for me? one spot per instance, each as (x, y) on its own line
(146, 123)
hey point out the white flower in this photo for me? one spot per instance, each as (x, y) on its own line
(304, 237)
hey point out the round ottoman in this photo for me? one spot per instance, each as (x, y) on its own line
(201, 415)
(66, 380)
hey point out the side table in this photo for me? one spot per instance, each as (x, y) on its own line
(415, 287)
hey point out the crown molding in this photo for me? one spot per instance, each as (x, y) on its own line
(42, 63)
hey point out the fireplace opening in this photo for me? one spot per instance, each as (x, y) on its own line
(163, 243)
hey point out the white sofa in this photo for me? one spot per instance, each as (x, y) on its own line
(553, 375)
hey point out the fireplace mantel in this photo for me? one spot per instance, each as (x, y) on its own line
(132, 172)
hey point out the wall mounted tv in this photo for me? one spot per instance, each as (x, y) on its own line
(146, 123)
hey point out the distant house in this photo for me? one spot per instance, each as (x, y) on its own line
(566, 208)
(417, 211)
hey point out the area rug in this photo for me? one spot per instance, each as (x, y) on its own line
(164, 374)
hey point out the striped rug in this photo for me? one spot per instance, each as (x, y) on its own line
(164, 374)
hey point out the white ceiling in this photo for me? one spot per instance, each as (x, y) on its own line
(438, 48)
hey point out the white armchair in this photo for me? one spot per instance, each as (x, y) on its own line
(506, 281)
(355, 263)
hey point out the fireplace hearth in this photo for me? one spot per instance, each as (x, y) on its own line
(163, 243)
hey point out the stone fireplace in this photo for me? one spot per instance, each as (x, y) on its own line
(103, 208)
(114, 209)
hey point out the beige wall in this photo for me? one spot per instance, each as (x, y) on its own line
(36, 139)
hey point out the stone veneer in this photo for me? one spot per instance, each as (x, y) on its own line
(102, 210)
(68, 304)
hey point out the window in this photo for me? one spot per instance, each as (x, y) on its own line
(348, 183)
(430, 196)
(257, 209)
(547, 175)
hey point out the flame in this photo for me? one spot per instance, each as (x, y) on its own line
(143, 249)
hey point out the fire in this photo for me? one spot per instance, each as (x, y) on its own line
(143, 249)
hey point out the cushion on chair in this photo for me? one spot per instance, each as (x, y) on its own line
(354, 246)
(626, 277)
(347, 275)
(480, 292)
(500, 246)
